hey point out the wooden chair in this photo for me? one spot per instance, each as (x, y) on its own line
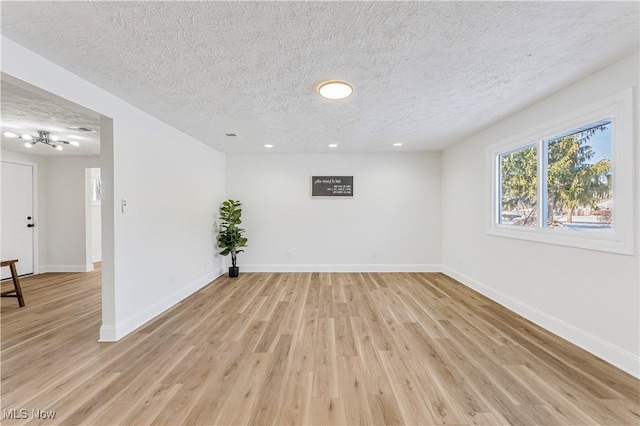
(16, 282)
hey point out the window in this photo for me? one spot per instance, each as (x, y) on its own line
(569, 182)
(519, 187)
(579, 176)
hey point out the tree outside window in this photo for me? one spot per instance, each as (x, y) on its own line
(519, 188)
(578, 181)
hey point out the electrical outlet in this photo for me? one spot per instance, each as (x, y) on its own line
(289, 255)
(374, 255)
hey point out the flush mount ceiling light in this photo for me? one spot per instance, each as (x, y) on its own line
(397, 144)
(335, 89)
(43, 137)
(333, 145)
(268, 146)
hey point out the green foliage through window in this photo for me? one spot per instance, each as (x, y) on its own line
(578, 181)
(519, 171)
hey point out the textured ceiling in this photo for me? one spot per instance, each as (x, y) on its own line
(425, 73)
(27, 111)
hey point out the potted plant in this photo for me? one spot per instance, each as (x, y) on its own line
(230, 240)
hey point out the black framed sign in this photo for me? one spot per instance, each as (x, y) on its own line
(332, 186)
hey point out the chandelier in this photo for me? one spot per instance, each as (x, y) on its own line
(43, 137)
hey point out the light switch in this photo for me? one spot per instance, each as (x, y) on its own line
(124, 206)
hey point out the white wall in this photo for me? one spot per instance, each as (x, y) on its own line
(589, 297)
(161, 249)
(164, 243)
(66, 214)
(395, 212)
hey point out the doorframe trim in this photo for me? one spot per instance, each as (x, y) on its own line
(36, 207)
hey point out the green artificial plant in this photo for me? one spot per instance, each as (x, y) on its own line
(231, 240)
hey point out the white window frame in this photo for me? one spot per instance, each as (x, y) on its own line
(620, 239)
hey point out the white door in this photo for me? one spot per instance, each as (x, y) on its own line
(17, 215)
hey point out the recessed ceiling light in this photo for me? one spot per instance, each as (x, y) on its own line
(335, 89)
(333, 145)
(74, 143)
(10, 135)
(397, 144)
(268, 146)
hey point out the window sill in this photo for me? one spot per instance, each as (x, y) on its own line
(602, 241)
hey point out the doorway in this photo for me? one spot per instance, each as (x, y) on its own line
(94, 232)
(26, 108)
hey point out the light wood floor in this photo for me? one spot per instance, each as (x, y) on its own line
(417, 349)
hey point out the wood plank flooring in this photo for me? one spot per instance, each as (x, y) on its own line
(290, 349)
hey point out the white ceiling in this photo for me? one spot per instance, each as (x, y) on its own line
(425, 73)
(27, 111)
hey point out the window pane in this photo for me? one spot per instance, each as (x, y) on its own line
(518, 187)
(579, 178)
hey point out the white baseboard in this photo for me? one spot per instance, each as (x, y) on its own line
(341, 268)
(610, 353)
(111, 334)
(107, 333)
(65, 268)
(96, 259)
